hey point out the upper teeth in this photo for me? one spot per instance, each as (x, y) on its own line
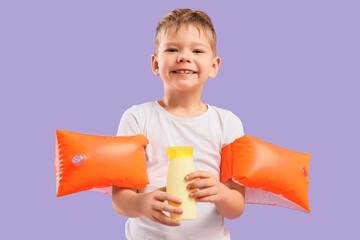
(186, 71)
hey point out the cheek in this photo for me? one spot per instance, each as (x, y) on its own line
(164, 63)
(162, 67)
(164, 71)
(206, 68)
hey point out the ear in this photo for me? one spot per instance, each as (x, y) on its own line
(215, 67)
(155, 64)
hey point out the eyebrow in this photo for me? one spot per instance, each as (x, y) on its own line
(193, 44)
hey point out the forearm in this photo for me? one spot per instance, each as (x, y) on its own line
(126, 202)
(232, 202)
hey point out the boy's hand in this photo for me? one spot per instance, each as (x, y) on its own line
(153, 203)
(210, 189)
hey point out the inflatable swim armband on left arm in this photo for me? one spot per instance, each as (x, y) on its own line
(271, 175)
(90, 162)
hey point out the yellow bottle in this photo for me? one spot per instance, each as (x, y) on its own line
(180, 164)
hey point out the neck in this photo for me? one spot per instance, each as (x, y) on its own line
(182, 100)
(183, 105)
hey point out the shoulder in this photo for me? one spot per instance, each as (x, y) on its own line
(230, 124)
(139, 110)
(226, 116)
(141, 107)
(133, 119)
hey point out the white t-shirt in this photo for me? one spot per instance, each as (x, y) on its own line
(207, 133)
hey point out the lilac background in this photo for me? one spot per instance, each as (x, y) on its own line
(290, 71)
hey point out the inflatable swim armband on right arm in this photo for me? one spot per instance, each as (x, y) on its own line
(90, 162)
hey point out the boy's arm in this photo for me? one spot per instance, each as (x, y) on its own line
(125, 201)
(232, 201)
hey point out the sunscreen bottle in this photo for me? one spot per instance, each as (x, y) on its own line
(180, 164)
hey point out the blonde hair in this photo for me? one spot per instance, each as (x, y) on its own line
(180, 17)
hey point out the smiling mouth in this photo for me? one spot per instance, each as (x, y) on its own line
(184, 72)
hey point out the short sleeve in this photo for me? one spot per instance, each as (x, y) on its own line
(129, 123)
(233, 128)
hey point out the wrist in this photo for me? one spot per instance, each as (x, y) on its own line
(232, 201)
(138, 201)
(222, 194)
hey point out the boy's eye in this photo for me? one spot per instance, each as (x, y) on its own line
(198, 51)
(171, 50)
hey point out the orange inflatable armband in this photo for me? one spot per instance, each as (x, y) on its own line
(90, 162)
(271, 175)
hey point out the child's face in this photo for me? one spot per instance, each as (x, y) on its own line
(185, 59)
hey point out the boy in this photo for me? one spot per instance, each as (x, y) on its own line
(185, 57)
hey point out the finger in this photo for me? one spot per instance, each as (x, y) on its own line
(197, 174)
(202, 183)
(163, 196)
(156, 219)
(163, 207)
(163, 219)
(203, 193)
(210, 199)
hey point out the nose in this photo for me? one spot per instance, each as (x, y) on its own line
(183, 58)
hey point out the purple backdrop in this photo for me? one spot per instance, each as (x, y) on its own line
(290, 71)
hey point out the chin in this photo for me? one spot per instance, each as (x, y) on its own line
(187, 87)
